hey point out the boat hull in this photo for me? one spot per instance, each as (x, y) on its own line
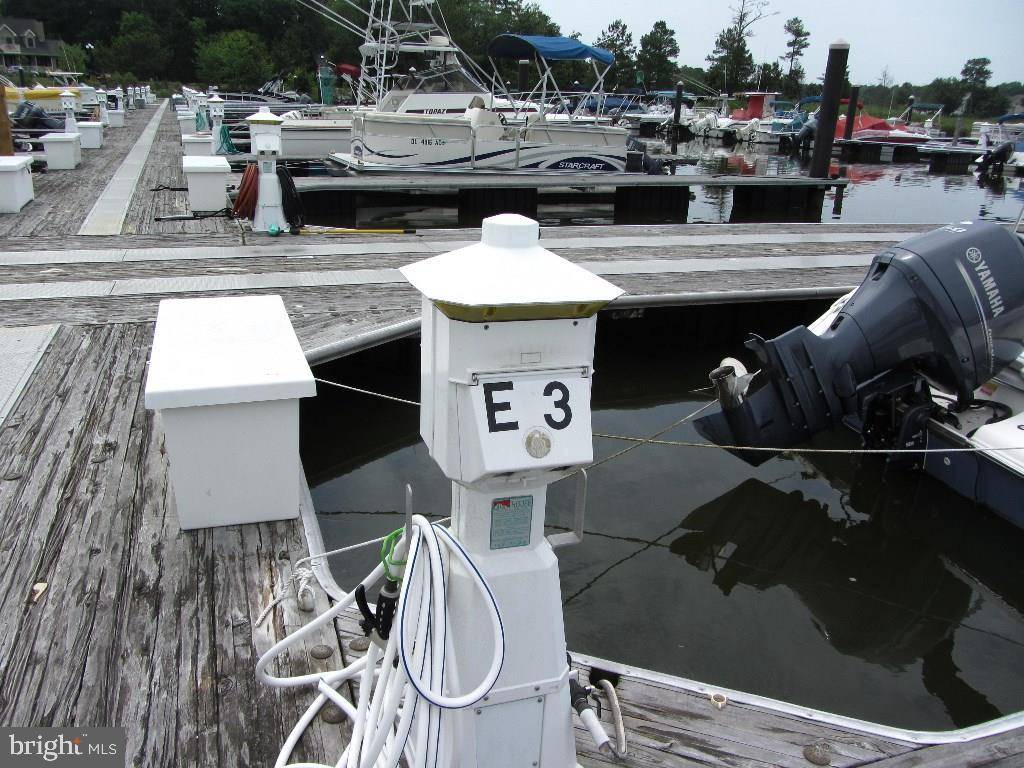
(382, 142)
(315, 138)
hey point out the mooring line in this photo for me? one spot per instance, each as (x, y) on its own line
(771, 449)
(653, 439)
(367, 392)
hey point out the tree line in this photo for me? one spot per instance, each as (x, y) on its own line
(239, 44)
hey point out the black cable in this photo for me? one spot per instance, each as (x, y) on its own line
(294, 211)
(225, 212)
(166, 188)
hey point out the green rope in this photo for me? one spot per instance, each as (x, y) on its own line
(225, 146)
(387, 552)
(201, 121)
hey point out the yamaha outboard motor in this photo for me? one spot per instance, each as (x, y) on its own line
(945, 308)
(28, 115)
(992, 162)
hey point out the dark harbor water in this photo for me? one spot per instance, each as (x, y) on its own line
(877, 193)
(826, 581)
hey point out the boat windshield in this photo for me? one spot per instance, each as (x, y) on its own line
(449, 80)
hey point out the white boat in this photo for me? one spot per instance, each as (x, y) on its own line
(478, 140)
(485, 138)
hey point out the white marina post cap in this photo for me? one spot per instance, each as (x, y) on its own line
(67, 100)
(839, 44)
(509, 276)
(216, 106)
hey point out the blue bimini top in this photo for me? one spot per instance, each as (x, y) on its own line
(509, 46)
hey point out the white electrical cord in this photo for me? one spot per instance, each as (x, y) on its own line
(389, 695)
(620, 747)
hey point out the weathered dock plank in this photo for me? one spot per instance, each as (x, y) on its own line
(163, 169)
(142, 625)
(52, 243)
(1002, 751)
(64, 198)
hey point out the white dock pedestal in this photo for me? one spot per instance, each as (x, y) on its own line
(197, 144)
(92, 134)
(187, 123)
(63, 151)
(207, 179)
(116, 118)
(15, 183)
(225, 376)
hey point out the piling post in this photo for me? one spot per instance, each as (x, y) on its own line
(851, 113)
(910, 109)
(838, 55)
(6, 142)
(675, 116)
(524, 76)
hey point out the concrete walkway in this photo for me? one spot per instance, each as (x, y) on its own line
(108, 214)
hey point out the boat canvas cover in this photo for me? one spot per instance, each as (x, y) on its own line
(509, 46)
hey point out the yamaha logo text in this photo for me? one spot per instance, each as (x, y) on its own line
(987, 281)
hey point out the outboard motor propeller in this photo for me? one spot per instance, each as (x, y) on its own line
(945, 308)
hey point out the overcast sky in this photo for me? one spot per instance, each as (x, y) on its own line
(918, 41)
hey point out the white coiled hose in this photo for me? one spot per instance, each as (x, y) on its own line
(389, 694)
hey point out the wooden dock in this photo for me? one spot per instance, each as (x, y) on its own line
(147, 627)
(637, 198)
(941, 158)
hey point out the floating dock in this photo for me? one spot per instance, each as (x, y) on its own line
(637, 198)
(948, 158)
(114, 616)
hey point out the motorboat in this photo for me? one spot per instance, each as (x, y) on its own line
(925, 360)
(409, 64)
(485, 138)
(895, 130)
(742, 123)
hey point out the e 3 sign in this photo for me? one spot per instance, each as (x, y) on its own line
(532, 420)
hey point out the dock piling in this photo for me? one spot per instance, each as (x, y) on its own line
(675, 117)
(851, 113)
(6, 141)
(838, 55)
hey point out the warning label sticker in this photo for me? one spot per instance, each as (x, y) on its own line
(511, 520)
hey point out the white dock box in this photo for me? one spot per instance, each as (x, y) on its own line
(63, 151)
(92, 134)
(15, 183)
(197, 144)
(187, 122)
(225, 376)
(207, 179)
(116, 118)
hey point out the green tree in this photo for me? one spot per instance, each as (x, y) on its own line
(976, 72)
(985, 101)
(732, 64)
(235, 60)
(799, 41)
(138, 46)
(74, 57)
(617, 38)
(770, 77)
(656, 59)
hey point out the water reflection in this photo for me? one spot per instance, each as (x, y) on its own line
(763, 537)
(822, 580)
